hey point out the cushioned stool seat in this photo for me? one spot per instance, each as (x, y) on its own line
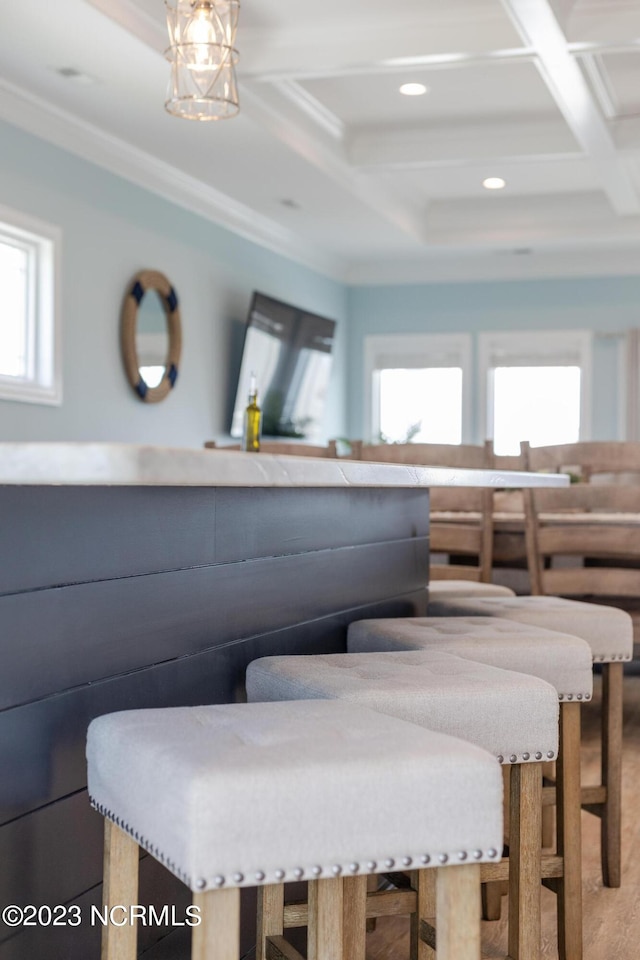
(562, 660)
(513, 715)
(609, 633)
(256, 794)
(607, 630)
(448, 589)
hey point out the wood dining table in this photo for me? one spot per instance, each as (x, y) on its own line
(509, 547)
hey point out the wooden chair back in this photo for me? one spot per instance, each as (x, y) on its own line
(514, 461)
(288, 449)
(595, 528)
(589, 461)
(425, 454)
(461, 526)
(461, 518)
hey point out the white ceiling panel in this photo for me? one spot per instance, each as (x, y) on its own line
(619, 74)
(544, 94)
(534, 180)
(455, 93)
(603, 21)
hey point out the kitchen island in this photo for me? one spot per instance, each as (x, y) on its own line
(135, 576)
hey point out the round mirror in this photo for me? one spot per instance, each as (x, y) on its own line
(151, 335)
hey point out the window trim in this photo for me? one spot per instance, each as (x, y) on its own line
(423, 348)
(545, 348)
(44, 385)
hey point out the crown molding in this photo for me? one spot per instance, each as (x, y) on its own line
(49, 122)
(598, 260)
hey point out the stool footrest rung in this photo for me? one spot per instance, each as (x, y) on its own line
(296, 914)
(277, 948)
(428, 934)
(391, 903)
(380, 903)
(552, 866)
(589, 796)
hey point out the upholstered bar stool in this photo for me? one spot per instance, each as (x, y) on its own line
(563, 661)
(512, 715)
(243, 795)
(609, 633)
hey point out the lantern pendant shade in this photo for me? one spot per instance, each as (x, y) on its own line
(203, 57)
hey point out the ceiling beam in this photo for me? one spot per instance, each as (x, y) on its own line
(151, 30)
(539, 28)
(392, 65)
(471, 143)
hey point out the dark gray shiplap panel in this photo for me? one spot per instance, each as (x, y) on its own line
(42, 743)
(52, 855)
(155, 529)
(60, 638)
(157, 886)
(121, 631)
(315, 519)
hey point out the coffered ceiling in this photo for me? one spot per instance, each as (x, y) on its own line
(329, 163)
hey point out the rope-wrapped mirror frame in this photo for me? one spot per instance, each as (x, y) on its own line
(142, 282)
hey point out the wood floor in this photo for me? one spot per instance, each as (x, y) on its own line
(611, 917)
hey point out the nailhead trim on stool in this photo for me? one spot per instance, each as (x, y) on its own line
(151, 771)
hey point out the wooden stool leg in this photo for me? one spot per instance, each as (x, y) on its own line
(218, 935)
(325, 929)
(424, 883)
(270, 916)
(525, 813)
(548, 814)
(569, 839)
(120, 887)
(372, 886)
(492, 893)
(610, 825)
(458, 912)
(355, 917)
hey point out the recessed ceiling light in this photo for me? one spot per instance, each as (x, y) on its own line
(413, 89)
(494, 183)
(70, 73)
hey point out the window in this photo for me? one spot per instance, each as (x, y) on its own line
(536, 387)
(418, 387)
(29, 327)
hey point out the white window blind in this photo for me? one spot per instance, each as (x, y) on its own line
(536, 387)
(418, 384)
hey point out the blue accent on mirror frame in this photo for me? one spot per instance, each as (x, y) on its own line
(137, 292)
(141, 388)
(172, 374)
(172, 299)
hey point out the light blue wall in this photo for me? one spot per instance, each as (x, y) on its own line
(112, 228)
(605, 305)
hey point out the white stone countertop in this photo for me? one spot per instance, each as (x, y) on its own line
(119, 464)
